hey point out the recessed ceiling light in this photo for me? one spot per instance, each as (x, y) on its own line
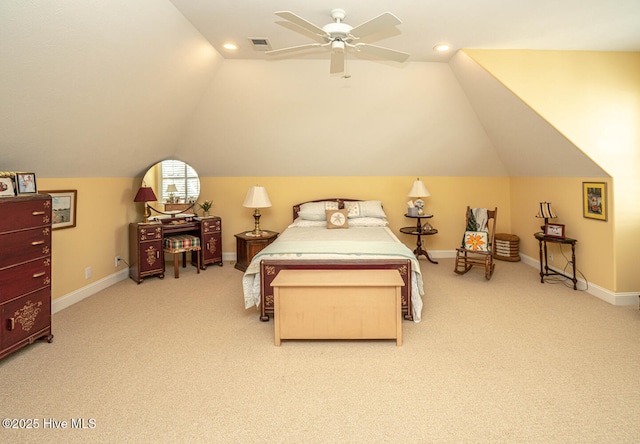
(441, 47)
(230, 46)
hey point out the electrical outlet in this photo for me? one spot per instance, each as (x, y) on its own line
(87, 273)
(117, 261)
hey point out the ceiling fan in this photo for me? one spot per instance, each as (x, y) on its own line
(340, 37)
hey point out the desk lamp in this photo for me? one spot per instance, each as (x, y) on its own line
(256, 198)
(145, 194)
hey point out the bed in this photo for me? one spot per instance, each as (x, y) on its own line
(309, 244)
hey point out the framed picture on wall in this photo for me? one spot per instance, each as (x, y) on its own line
(594, 200)
(63, 208)
(6, 187)
(26, 183)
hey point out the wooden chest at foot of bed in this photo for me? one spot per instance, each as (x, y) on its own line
(338, 304)
(269, 269)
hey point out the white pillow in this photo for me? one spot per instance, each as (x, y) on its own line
(368, 222)
(365, 208)
(358, 223)
(302, 223)
(316, 210)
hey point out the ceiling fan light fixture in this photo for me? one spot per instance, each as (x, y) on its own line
(337, 46)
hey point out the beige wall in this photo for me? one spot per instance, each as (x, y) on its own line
(593, 98)
(448, 201)
(104, 209)
(594, 254)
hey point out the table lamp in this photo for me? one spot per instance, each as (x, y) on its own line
(171, 188)
(545, 211)
(418, 190)
(256, 198)
(145, 194)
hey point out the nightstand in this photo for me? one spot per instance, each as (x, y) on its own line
(248, 246)
(420, 230)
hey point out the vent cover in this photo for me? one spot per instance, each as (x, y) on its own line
(260, 43)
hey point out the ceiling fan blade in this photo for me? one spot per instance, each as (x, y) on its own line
(376, 24)
(337, 62)
(379, 51)
(293, 48)
(293, 18)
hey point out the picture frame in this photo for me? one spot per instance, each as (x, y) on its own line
(63, 208)
(554, 230)
(6, 187)
(594, 200)
(26, 183)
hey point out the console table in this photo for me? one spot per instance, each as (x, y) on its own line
(544, 268)
(146, 255)
(420, 230)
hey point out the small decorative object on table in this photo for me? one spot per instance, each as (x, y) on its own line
(206, 206)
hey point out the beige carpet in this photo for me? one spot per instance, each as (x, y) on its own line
(180, 360)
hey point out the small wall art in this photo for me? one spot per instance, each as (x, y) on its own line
(594, 200)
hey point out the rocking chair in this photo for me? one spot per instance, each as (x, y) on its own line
(478, 242)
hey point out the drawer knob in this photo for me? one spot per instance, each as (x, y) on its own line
(11, 324)
(37, 275)
(37, 213)
(34, 243)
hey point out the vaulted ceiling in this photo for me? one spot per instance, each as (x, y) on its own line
(105, 89)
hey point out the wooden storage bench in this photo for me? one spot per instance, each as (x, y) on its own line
(338, 304)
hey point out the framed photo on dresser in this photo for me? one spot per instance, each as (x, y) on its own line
(26, 183)
(6, 187)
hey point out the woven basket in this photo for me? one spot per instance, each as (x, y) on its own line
(507, 246)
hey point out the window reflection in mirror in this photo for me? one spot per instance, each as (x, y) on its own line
(175, 183)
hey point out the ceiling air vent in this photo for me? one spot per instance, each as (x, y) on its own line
(260, 43)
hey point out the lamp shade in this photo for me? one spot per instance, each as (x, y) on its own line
(171, 188)
(545, 211)
(257, 197)
(145, 194)
(418, 189)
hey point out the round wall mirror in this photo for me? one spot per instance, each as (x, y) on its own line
(175, 184)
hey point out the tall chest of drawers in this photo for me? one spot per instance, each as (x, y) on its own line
(25, 271)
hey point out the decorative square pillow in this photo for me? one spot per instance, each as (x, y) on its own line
(365, 208)
(476, 241)
(316, 210)
(337, 219)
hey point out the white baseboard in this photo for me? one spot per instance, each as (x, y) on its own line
(76, 296)
(626, 298)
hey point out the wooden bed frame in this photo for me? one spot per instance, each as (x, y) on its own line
(269, 269)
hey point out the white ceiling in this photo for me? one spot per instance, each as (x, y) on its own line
(595, 25)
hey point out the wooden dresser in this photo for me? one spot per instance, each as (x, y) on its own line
(25, 271)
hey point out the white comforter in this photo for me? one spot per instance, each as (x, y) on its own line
(321, 243)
